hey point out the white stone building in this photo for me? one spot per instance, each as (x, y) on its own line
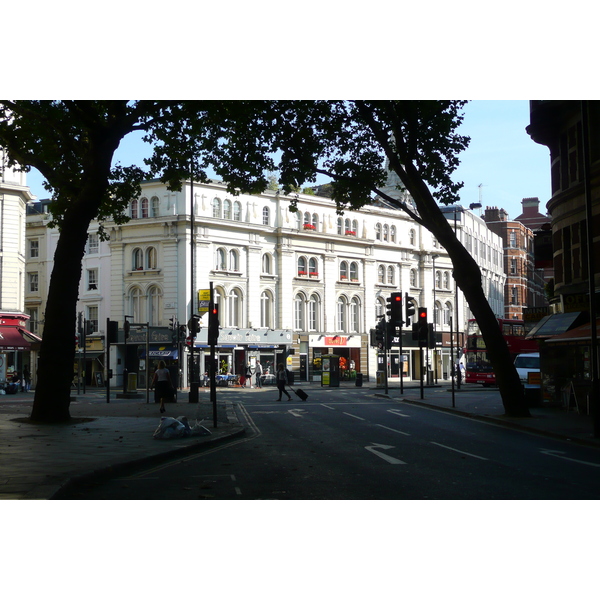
(16, 342)
(291, 286)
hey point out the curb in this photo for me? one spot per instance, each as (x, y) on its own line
(117, 469)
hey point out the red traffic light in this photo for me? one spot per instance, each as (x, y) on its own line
(423, 315)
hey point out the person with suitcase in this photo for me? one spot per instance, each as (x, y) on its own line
(282, 381)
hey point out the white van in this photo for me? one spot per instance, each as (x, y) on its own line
(528, 368)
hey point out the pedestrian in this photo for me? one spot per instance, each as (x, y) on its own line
(259, 373)
(26, 378)
(249, 373)
(162, 381)
(282, 382)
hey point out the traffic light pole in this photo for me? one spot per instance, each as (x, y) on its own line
(213, 362)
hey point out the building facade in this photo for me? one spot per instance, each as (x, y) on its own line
(292, 285)
(16, 342)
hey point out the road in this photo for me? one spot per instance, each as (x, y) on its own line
(360, 445)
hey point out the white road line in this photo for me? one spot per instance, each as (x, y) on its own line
(351, 415)
(395, 411)
(459, 451)
(238, 491)
(329, 407)
(394, 430)
(557, 453)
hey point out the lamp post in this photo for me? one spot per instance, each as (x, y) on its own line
(433, 257)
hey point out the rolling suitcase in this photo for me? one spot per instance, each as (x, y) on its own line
(300, 393)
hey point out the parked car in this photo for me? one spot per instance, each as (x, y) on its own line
(528, 368)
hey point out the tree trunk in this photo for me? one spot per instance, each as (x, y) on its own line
(467, 275)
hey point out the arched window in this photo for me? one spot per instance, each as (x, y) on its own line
(343, 270)
(340, 226)
(315, 221)
(302, 265)
(446, 280)
(299, 220)
(144, 208)
(237, 211)
(411, 237)
(355, 226)
(313, 267)
(137, 260)
(378, 231)
(154, 300)
(299, 303)
(393, 234)
(134, 208)
(314, 310)
(151, 258)
(234, 260)
(381, 274)
(216, 208)
(220, 260)
(353, 271)
(267, 263)
(437, 313)
(438, 279)
(306, 218)
(154, 206)
(354, 315)
(227, 209)
(386, 233)
(266, 309)
(341, 314)
(447, 313)
(266, 215)
(413, 278)
(234, 309)
(379, 308)
(135, 306)
(390, 274)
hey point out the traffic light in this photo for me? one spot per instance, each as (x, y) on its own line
(410, 308)
(213, 324)
(395, 310)
(173, 323)
(379, 333)
(194, 325)
(182, 332)
(89, 327)
(422, 324)
(430, 337)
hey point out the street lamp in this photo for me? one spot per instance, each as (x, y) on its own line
(433, 257)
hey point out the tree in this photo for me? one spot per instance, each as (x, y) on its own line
(350, 141)
(72, 143)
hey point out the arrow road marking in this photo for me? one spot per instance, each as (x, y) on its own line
(459, 451)
(394, 430)
(294, 412)
(557, 453)
(397, 412)
(390, 459)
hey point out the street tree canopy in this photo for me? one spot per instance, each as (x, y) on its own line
(73, 144)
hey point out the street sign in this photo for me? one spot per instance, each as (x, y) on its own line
(203, 300)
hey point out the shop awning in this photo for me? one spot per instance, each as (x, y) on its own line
(583, 333)
(16, 338)
(556, 324)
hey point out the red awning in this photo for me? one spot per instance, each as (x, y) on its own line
(583, 333)
(16, 338)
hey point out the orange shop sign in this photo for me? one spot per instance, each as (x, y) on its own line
(336, 340)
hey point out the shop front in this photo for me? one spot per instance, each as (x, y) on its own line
(16, 346)
(351, 350)
(239, 347)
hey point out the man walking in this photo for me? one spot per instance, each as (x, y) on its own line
(259, 373)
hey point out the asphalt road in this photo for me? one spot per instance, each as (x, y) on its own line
(359, 445)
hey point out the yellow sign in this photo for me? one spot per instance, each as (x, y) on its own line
(203, 300)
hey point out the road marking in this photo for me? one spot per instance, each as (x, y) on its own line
(294, 412)
(395, 411)
(351, 415)
(459, 451)
(394, 430)
(329, 407)
(557, 453)
(390, 459)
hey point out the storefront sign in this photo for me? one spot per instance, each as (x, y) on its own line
(336, 340)
(203, 301)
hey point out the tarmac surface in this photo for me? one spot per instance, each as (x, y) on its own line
(40, 461)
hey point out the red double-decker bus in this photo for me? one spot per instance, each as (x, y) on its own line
(478, 368)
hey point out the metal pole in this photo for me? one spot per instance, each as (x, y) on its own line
(421, 364)
(595, 387)
(213, 373)
(458, 373)
(147, 363)
(107, 344)
(453, 368)
(193, 394)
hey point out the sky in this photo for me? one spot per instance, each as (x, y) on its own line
(501, 158)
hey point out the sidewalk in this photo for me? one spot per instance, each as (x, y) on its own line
(38, 460)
